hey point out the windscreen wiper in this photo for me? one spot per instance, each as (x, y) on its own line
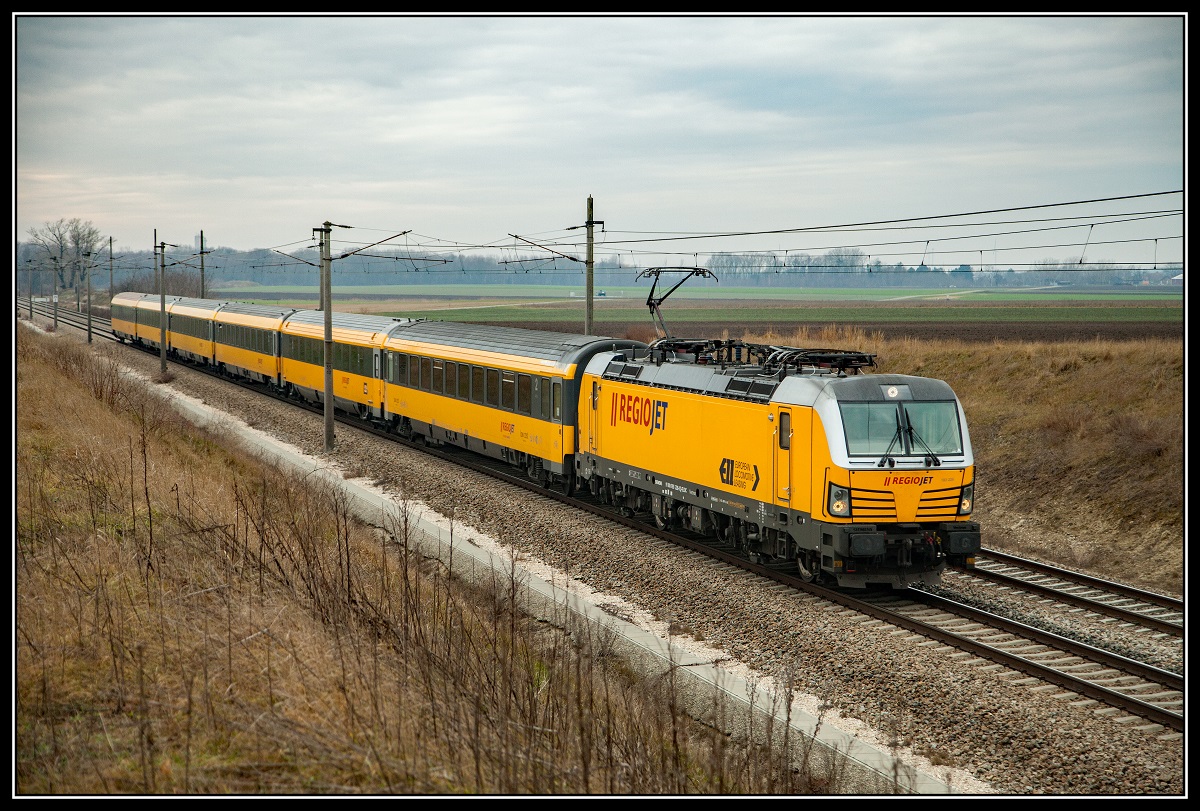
(887, 459)
(931, 460)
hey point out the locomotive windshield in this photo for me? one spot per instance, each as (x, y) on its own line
(902, 429)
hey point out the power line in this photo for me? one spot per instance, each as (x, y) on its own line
(773, 232)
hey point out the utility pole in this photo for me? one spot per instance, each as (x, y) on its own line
(110, 270)
(327, 308)
(55, 258)
(162, 305)
(202, 263)
(587, 320)
(29, 262)
(87, 268)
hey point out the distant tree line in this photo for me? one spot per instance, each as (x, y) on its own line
(67, 249)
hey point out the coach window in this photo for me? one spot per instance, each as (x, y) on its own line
(508, 390)
(545, 397)
(437, 376)
(493, 387)
(524, 394)
(464, 381)
(477, 384)
(451, 379)
(426, 373)
(556, 401)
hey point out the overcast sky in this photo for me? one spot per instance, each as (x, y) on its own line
(466, 130)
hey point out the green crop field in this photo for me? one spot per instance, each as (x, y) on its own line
(1077, 310)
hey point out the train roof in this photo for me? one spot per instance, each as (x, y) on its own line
(375, 325)
(129, 299)
(197, 305)
(787, 383)
(865, 388)
(145, 301)
(555, 347)
(259, 310)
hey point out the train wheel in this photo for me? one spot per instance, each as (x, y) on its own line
(808, 564)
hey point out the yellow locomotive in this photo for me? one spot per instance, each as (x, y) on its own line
(790, 455)
(787, 454)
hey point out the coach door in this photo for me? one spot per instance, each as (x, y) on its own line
(783, 456)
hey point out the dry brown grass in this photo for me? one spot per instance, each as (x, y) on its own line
(189, 621)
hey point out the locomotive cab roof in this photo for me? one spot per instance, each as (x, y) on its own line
(729, 368)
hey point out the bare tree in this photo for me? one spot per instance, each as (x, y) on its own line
(72, 242)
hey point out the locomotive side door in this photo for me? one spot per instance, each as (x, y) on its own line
(783, 455)
(594, 417)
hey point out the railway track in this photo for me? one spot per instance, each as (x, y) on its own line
(1157, 612)
(1086, 674)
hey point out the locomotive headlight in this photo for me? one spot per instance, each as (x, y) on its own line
(839, 500)
(966, 500)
